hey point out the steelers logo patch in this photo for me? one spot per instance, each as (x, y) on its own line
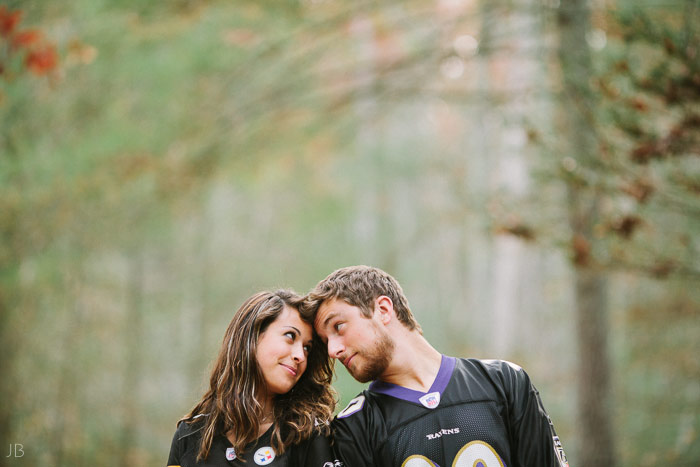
(264, 456)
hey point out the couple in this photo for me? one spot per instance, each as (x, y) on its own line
(270, 400)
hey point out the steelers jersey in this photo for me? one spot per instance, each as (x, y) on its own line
(315, 452)
(478, 413)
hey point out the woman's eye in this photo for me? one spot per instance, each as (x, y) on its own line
(307, 348)
(290, 334)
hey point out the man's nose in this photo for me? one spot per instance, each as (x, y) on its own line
(335, 348)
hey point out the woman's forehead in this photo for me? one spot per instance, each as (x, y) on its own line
(289, 317)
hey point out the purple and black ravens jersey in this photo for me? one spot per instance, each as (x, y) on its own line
(315, 452)
(482, 413)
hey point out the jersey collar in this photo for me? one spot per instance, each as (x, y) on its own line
(447, 365)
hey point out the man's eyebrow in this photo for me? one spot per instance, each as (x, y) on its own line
(328, 318)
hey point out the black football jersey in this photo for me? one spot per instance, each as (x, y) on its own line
(478, 413)
(315, 452)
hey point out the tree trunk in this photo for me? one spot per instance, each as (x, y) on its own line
(576, 116)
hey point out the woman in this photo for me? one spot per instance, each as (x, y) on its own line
(270, 400)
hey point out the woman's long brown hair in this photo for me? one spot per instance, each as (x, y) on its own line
(230, 405)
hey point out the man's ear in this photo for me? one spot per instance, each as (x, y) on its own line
(385, 307)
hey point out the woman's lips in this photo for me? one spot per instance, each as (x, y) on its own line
(290, 369)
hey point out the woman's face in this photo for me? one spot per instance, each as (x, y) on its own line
(282, 351)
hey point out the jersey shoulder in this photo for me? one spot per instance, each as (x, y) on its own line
(496, 370)
(190, 429)
(489, 365)
(511, 375)
(363, 412)
(480, 380)
(501, 365)
(362, 404)
(356, 405)
(186, 441)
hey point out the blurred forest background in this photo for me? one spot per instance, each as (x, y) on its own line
(528, 170)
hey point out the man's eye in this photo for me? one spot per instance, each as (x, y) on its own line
(338, 326)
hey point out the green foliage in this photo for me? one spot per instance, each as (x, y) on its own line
(186, 154)
(651, 124)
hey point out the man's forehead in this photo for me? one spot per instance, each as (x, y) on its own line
(328, 310)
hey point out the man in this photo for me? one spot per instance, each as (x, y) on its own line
(422, 409)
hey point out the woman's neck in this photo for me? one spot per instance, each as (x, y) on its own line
(268, 414)
(265, 424)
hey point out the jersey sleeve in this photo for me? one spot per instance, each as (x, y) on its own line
(533, 439)
(352, 434)
(175, 451)
(351, 449)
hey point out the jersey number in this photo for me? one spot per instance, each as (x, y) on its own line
(474, 454)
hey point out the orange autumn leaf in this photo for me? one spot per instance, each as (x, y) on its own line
(8, 20)
(25, 38)
(42, 60)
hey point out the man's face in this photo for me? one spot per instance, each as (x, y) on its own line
(361, 344)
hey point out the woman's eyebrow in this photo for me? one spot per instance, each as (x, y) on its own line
(292, 327)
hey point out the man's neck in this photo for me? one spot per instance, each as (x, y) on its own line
(415, 363)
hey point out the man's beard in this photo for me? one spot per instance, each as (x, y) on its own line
(376, 359)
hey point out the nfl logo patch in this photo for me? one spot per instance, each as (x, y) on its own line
(431, 400)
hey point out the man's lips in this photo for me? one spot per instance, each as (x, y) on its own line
(290, 369)
(346, 361)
